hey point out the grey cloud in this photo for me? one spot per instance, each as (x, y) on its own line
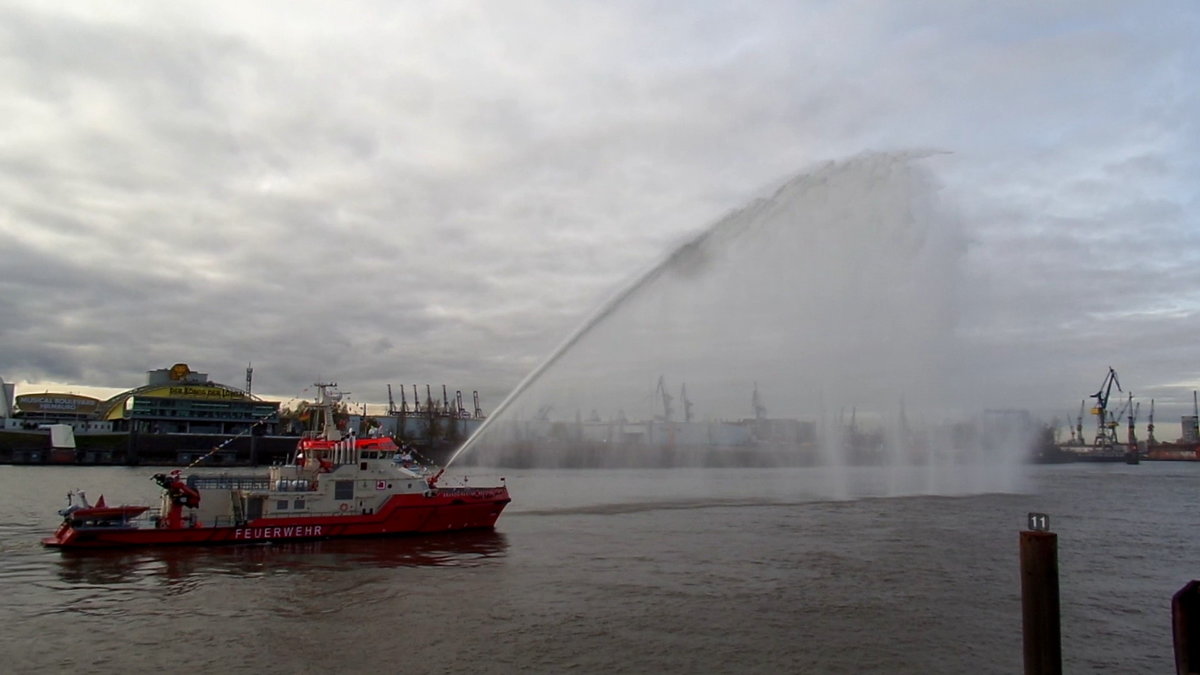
(378, 193)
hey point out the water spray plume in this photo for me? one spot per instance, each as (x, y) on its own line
(839, 291)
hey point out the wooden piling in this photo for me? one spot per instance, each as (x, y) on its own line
(1039, 602)
(1185, 623)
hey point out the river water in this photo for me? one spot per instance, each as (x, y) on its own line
(679, 571)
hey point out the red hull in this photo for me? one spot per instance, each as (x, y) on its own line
(1170, 452)
(449, 510)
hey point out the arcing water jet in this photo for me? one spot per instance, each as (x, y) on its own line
(839, 291)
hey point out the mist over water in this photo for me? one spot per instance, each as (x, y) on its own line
(821, 323)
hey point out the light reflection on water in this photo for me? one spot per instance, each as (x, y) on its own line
(115, 583)
(180, 566)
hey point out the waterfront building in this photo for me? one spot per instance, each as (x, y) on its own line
(178, 400)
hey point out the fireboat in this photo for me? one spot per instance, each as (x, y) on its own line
(337, 485)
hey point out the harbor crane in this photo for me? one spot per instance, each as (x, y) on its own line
(1079, 422)
(760, 410)
(1105, 428)
(1132, 410)
(666, 398)
(1150, 440)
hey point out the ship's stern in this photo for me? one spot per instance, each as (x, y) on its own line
(62, 536)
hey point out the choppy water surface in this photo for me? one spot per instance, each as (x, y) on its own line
(621, 571)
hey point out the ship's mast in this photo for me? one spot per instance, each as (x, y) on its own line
(325, 403)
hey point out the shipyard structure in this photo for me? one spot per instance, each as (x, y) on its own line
(180, 416)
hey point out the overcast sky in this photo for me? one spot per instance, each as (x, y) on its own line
(402, 192)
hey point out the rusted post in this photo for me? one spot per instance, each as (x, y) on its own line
(1039, 598)
(1185, 622)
